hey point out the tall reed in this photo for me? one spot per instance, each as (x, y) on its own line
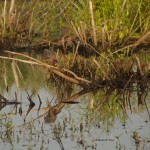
(101, 25)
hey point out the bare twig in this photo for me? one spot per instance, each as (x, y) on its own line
(76, 51)
(142, 39)
(139, 66)
(77, 80)
(102, 70)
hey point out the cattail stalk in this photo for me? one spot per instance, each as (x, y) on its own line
(93, 23)
(12, 11)
(4, 15)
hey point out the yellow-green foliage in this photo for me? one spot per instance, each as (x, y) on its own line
(116, 21)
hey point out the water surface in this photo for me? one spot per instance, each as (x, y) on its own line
(77, 126)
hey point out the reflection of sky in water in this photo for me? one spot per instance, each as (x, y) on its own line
(40, 135)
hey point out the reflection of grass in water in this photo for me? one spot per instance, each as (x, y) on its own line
(31, 76)
(68, 127)
(5, 122)
(110, 106)
(106, 109)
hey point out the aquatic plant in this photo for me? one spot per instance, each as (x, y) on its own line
(95, 25)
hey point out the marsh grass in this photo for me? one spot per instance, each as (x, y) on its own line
(118, 73)
(70, 26)
(102, 25)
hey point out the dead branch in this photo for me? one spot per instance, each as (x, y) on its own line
(77, 80)
(139, 66)
(142, 39)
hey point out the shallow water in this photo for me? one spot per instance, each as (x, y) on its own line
(76, 126)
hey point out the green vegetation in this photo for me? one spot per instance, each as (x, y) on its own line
(100, 25)
(20, 74)
(90, 38)
(94, 44)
